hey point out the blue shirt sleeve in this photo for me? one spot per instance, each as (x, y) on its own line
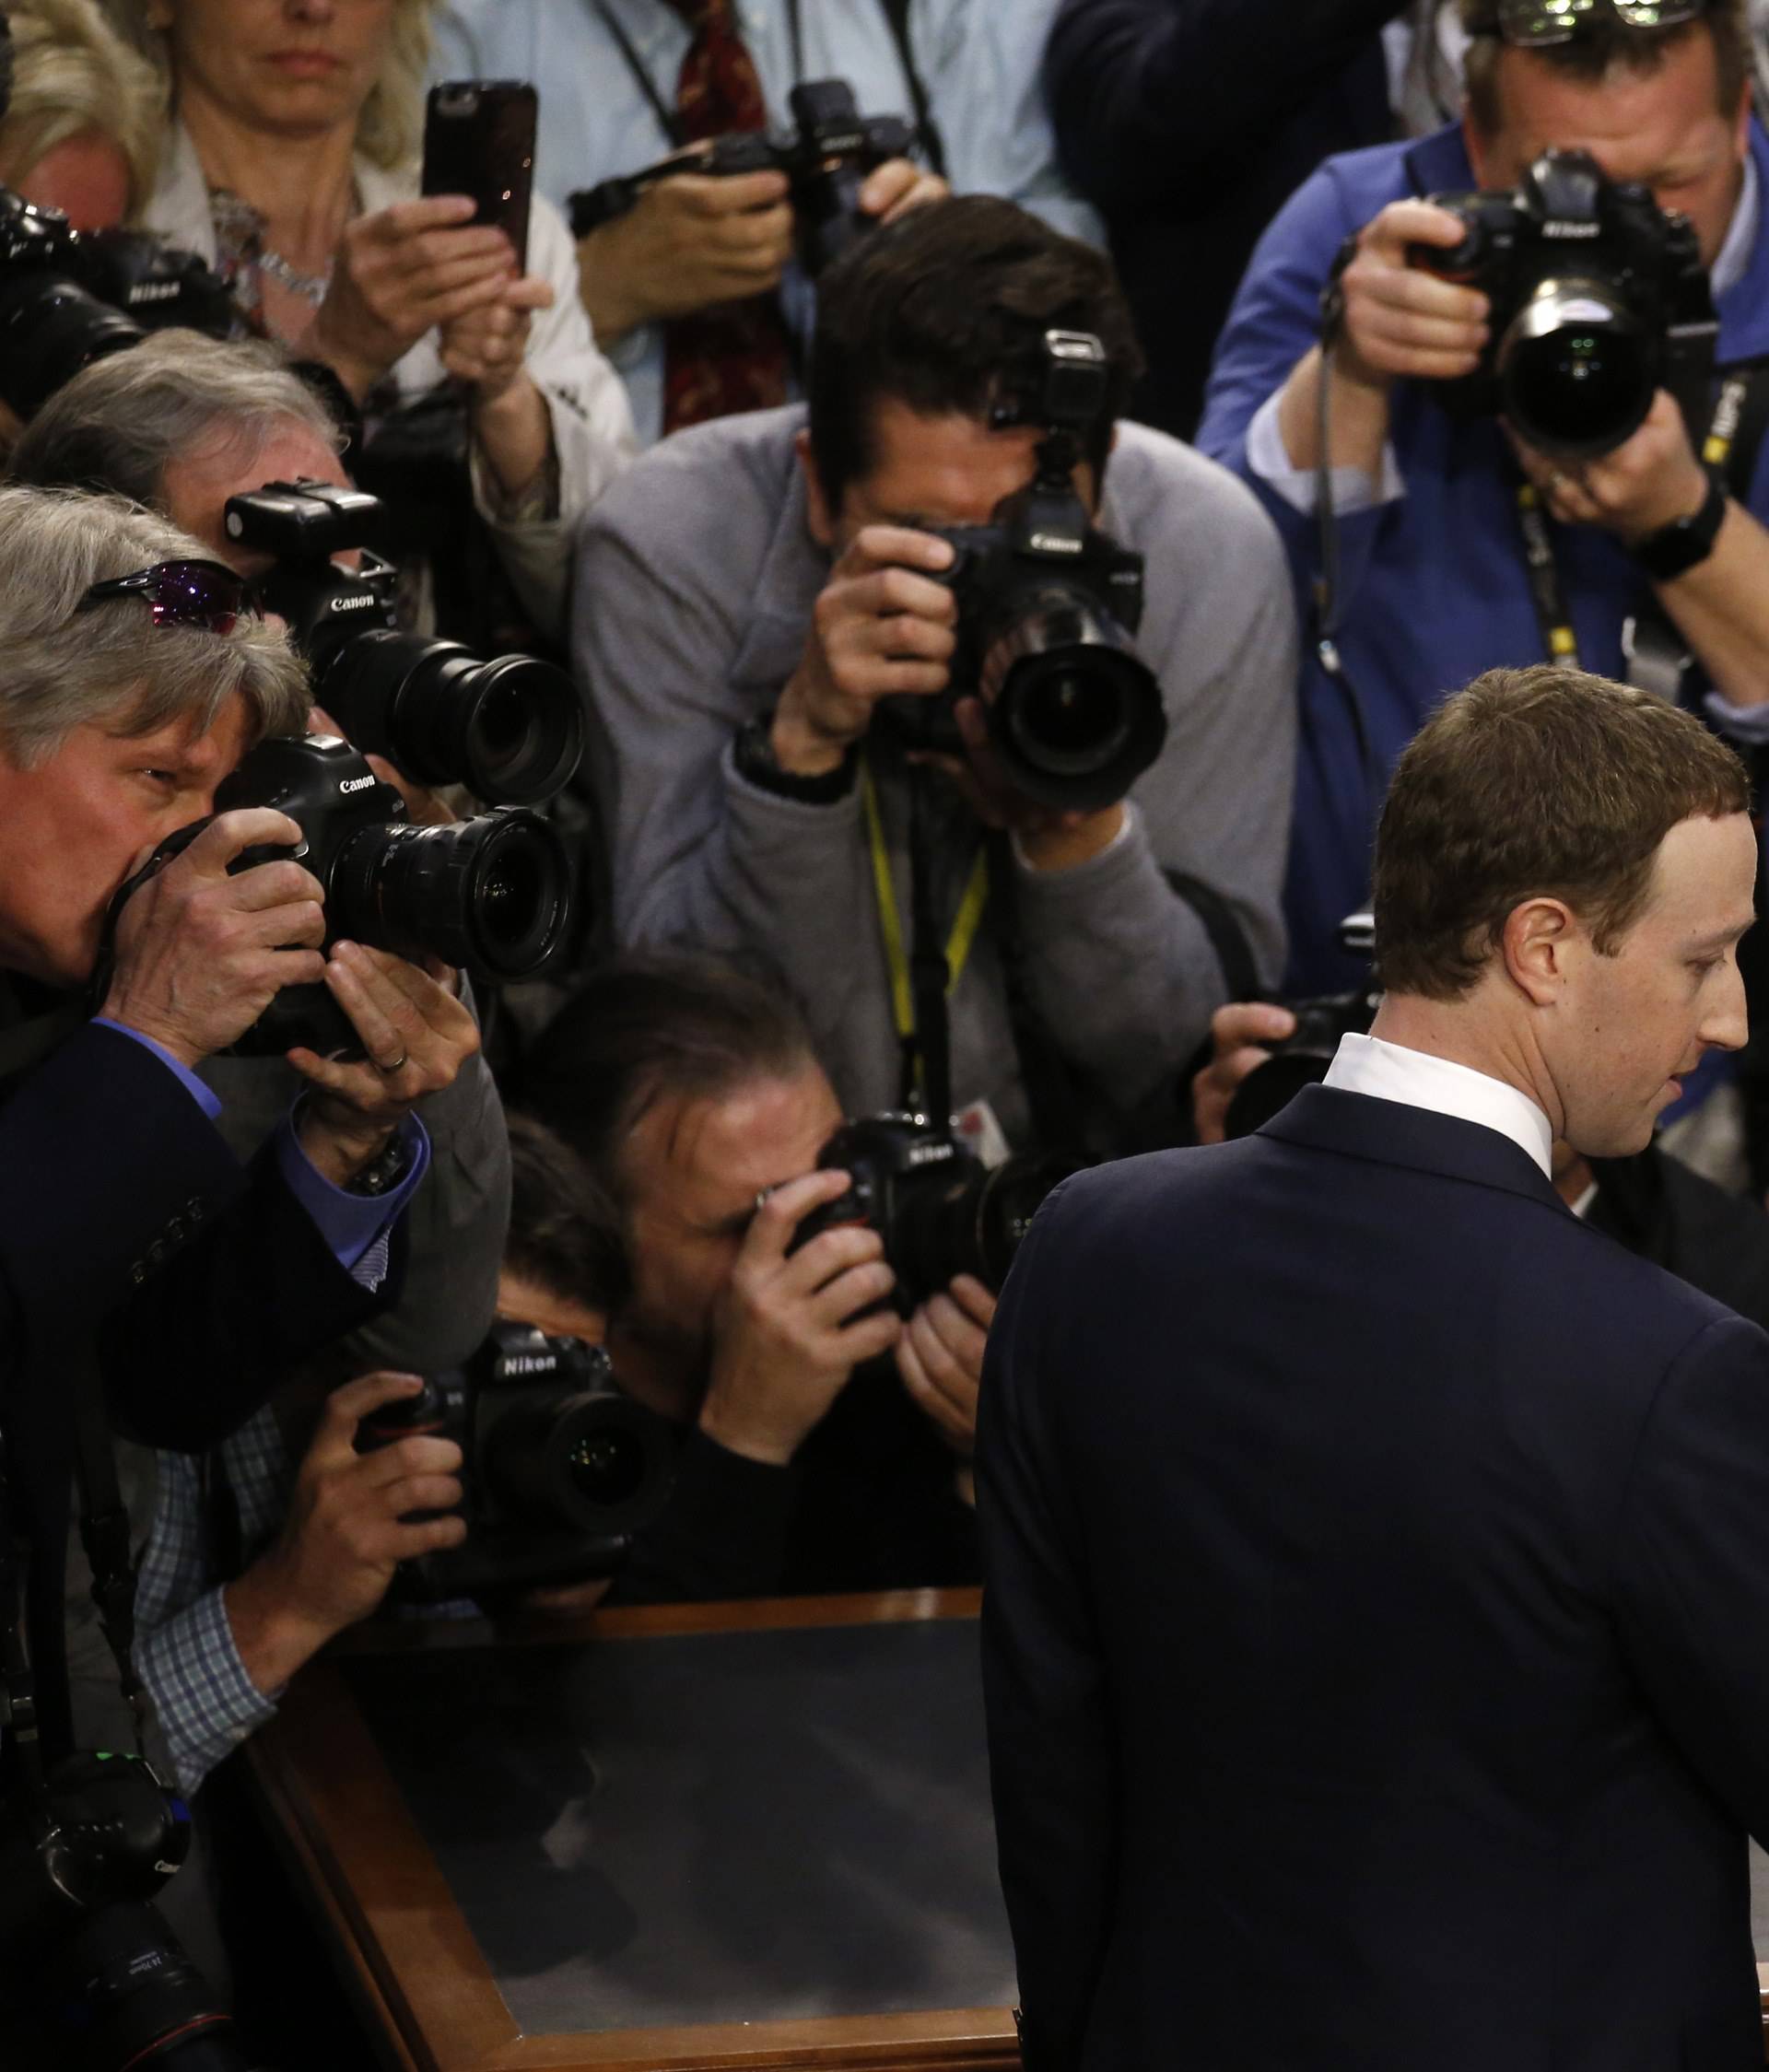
(205, 1098)
(354, 1225)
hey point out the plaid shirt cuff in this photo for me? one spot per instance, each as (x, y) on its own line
(206, 1703)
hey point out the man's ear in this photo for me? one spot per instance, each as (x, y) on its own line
(820, 520)
(1539, 941)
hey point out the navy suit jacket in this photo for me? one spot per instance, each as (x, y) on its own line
(1376, 1628)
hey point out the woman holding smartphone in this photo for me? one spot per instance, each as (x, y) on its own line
(289, 160)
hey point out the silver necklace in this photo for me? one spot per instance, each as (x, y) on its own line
(311, 288)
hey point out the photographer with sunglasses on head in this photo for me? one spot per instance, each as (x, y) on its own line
(1457, 537)
(131, 1240)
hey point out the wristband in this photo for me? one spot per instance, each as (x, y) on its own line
(1685, 543)
(757, 764)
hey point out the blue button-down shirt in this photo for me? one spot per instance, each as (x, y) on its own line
(978, 59)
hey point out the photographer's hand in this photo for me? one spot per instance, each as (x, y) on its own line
(417, 1036)
(397, 275)
(1402, 322)
(691, 242)
(940, 1357)
(1651, 481)
(201, 953)
(788, 1332)
(487, 352)
(880, 629)
(1238, 1033)
(899, 185)
(344, 1536)
(1048, 839)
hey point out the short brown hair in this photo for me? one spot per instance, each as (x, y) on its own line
(1601, 45)
(1534, 783)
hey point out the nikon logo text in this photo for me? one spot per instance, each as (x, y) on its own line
(1572, 229)
(354, 783)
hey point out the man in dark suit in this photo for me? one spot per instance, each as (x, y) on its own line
(1378, 1557)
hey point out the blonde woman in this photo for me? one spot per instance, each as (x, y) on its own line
(80, 128)
(289, 160)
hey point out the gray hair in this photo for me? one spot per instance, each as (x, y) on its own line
(110, 666)
(118, 423)
(389, 128)
(71, 73)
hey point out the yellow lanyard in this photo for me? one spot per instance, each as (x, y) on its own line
(890, 920)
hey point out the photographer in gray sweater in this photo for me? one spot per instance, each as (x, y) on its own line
(748, 597)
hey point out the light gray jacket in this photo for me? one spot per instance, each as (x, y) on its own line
(695, 584)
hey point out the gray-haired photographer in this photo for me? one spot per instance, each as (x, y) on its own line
(138, 1254)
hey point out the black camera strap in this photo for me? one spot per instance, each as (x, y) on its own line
(104, 1534)
(1657, 655)
(19, 1732)
(896, 16)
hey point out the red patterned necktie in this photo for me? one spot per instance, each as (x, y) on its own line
(734, 357)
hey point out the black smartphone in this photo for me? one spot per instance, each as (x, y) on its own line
(479, 140)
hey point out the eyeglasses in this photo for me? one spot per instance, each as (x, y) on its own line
(196, 593)
(1535, 24)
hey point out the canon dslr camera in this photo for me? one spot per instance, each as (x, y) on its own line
(827, 158)
(1599, 299)
(1048, 606)
(510, 728)
(939, 1210)
(91, 1976)
(490, 894)
(561, 1468)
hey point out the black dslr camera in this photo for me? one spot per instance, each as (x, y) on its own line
(1047, 608)
(90, 1971)
(940, 1211)
(1301, 1058)
(68, 297)
(510, 730)
(490, 894)
(1599, 299)
(561, 1468)
(826, 160)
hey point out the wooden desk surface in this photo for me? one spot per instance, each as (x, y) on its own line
(423, 1977)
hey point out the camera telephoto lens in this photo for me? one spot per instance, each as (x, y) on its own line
(590, 1463)
(510, 728)
(1076, 714)
(968, 1219)
(606, 1468)
(131, 1998)
(1576, 373)
(49, 329)
(492, 895)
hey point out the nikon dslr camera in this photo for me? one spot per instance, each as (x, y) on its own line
(561, 1468)
(826, 160)
(1599, 299)
(940, 1211)
(1048, 606)
(68, 297)
(490, 894)
(510, 728)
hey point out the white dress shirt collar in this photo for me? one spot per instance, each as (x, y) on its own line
(1387, 1071)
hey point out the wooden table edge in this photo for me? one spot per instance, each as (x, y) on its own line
(391, 1915)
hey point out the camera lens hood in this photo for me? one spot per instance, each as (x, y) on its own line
(1576, 370)
(491, 894)
(1075, 713)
